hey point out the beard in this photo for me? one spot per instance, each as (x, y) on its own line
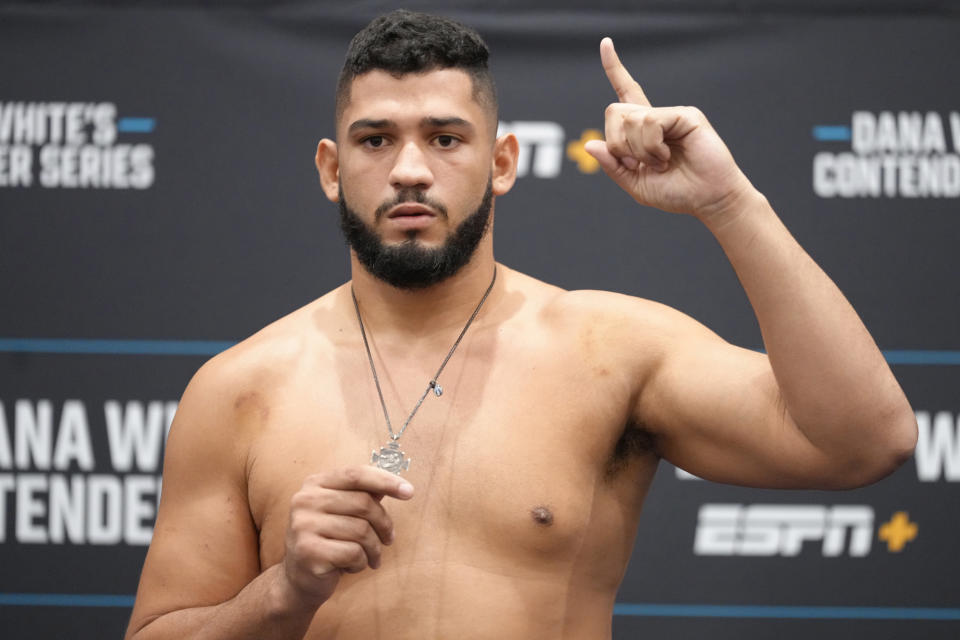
(409, 264)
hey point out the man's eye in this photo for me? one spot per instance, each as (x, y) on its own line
(446, 141)
(374, 141)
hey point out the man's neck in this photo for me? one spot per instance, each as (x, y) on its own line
(420, 313)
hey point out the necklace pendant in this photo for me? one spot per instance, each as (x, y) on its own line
(390, 458)
(437, 390)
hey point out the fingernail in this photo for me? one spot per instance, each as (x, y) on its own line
(405, 489)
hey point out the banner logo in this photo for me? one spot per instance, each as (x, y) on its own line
(907, 154)
(782, 530)
(56, 490)
(938, 447)
(73, 145)
(541, 147)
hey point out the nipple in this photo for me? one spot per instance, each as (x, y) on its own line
(542, 516)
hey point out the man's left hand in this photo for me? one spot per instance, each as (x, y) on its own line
(665, 157)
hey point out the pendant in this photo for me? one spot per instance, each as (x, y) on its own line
(390, 458)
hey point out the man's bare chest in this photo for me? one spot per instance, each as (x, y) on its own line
(512, 461)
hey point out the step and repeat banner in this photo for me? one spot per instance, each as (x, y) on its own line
(158, 202)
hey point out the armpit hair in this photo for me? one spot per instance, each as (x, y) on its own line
(635, 441)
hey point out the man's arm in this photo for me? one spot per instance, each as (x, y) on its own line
(202, 577)
(205, 548)
(822, 408)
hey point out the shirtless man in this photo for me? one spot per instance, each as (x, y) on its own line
(517, 515)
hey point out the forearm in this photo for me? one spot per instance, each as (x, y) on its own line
(834, 381)
(263, 610)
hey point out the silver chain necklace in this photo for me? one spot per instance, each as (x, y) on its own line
(390, 457)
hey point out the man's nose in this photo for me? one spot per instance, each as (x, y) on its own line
(410, 168)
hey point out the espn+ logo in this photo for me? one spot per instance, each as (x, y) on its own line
(770, 530)
(541, 148)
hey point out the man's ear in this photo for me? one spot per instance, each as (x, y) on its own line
(504, 169)
(328, 167)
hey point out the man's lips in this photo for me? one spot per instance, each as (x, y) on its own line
(411, 217)
(410, 210)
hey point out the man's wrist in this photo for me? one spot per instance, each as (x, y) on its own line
(283, 598)
(736, 206)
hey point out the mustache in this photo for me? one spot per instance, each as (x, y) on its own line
(409, 194)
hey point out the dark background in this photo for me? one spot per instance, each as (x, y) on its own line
(235, 232)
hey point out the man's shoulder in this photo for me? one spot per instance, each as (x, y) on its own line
(583, 313)
(275, 352)
(551, 297)
(575, 308)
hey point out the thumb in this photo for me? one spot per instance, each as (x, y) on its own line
(617, 168)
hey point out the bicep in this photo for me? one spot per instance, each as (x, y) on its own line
(717, 412)
(204, 548)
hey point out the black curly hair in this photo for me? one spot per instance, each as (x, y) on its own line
(403, 42)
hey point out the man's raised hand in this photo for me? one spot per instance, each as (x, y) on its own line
(664, 157)
(337, 525)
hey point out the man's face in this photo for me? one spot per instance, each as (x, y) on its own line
(415, 174)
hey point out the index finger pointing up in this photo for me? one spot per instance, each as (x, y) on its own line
(628, 90)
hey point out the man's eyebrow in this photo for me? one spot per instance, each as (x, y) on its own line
(367, 123)
(451, 121)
